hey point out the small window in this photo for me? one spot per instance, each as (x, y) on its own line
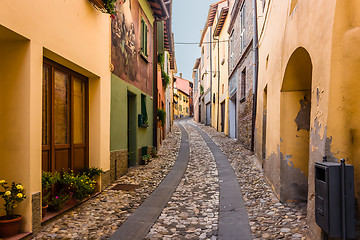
(143, 108)
(180, 108)
(187, 110)
(144, 38)
(242, 19)
(243, 86)
(176, 106)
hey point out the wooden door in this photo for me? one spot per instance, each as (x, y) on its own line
(65, 119)
(222, 116)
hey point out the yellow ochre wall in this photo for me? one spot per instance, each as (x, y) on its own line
(72, 33)
(328, 32)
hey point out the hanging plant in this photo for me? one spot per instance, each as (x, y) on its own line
(165, 79)
(106, 6)
(110, 6)
(162, 116)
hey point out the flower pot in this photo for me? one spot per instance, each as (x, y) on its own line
(44, 210)
(9, 228)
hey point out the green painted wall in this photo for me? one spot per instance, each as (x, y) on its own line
(119, 115)
(147, 10)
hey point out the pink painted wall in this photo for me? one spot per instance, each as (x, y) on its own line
(183, 85)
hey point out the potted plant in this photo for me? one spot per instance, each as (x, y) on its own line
(48, 180)
(154, 153)
(12, 195)
(58, 200)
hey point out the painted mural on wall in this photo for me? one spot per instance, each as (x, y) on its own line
(125, 47)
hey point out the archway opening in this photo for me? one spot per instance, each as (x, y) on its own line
(295, 127)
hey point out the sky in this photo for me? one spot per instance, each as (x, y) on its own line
(188, 19)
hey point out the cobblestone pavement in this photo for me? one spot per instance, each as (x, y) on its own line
(192, 212)
(269, 219)
(99, 217)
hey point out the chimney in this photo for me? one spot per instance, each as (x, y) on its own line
(180, 75)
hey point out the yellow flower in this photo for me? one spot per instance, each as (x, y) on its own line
(19, 187)
(7, 193)
(2, 181)
(19, 195)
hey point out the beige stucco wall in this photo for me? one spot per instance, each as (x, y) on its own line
(281, 32)
(72, 33)
(219, 61)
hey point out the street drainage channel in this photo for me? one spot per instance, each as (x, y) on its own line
(125, 187)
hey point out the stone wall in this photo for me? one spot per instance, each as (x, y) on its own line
(36, 211)
(245, 106)
(242, 62)
(118, 164)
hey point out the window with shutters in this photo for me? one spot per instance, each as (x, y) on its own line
(144, 38)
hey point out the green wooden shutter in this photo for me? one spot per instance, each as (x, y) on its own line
(145, 39)
(142, 36)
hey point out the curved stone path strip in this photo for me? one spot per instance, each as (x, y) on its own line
(192, 212)
(233, 218)
(99, 217)
(269, 218)
(140, 222)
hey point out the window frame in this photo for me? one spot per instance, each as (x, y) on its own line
(144, 29)
(242, 27)
(243, 85)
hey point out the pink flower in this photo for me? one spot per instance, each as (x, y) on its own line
(56, 197)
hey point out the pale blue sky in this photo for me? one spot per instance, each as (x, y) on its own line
(188, 19)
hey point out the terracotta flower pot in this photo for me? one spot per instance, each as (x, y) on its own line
(9, 228)
(44, 210)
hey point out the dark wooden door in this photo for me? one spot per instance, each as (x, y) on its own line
(222, 116)
(65, 119)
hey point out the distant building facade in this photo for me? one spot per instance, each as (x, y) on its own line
(241, 71)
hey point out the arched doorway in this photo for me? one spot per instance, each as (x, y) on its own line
(295, 126)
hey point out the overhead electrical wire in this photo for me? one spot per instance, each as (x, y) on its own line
(194, 43)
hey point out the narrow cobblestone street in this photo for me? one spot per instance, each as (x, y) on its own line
(192, 212)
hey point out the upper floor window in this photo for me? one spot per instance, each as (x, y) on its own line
(243, 86)
(202, 56)
(231, 50)
(144, 38)
(242, 31)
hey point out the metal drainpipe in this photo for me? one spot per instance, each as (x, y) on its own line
(255, 75)
(210, 76)
(155, 80)
(218, 73)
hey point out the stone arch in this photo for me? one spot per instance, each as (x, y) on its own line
(295, 111)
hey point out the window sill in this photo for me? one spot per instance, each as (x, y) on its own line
(144, 126)
(145, 58)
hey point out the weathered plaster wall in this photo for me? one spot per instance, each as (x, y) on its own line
(281, 33)
(343, 131)
(129, 64)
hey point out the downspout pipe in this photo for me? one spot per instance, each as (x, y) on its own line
(255, 75)
(155, 81)
(211, 97)
(218, 73)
